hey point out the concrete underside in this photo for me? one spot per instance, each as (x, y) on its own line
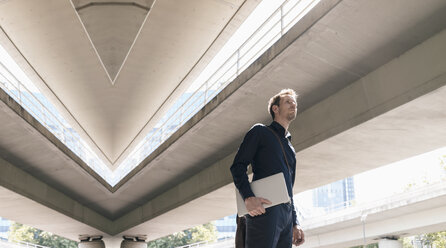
(371, 94)
(112, 70)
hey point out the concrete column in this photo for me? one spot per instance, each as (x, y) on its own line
(134, 242)
(390, 243)
(91, 242)
(112, 242)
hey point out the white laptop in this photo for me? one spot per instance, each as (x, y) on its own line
(272, 188)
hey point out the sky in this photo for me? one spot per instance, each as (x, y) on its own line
(395, 177)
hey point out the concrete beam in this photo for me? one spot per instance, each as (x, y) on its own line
(321, 137)
(203, 183)
(28, 200)
(10, 105)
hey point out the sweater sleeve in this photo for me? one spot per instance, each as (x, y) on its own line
(295, 220)
(243, 158)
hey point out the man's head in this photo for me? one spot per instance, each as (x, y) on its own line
(283, 105)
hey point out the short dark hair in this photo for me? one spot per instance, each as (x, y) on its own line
(275, 100)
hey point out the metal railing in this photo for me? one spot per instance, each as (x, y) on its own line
(222, 243)
(46, 114)
(21, 244)
(282, 19)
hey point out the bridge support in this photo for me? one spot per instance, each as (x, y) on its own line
(390, 242)
(134, 242)
(112, 242)
(91, 242)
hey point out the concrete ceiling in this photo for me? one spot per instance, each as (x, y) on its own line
(357, 66)
(113, 64)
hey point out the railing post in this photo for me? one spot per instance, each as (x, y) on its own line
(281, 20)
(20, 94)
(206, 89)
(238, 62)
(180, 122)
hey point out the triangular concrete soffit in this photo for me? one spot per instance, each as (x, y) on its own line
(112, 27)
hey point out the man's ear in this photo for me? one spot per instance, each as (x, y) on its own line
(275, 109)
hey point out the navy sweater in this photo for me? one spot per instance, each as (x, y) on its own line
(261, 149)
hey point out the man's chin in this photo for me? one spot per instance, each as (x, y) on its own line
(291, 117)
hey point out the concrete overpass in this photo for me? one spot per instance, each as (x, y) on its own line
(406, 214)
(371, 76)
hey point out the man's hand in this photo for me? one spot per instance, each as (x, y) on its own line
(298, 235)
(254, 205)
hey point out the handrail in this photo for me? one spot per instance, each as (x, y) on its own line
(20, 244)
(46, 117)
(204, 243)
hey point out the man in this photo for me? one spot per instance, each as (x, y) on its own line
(277, 226)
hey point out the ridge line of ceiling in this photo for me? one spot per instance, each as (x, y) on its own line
(91, 42)
(170, 97)
(133, 43)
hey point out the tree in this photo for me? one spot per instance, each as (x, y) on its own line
(437, 240)
(19, 232)
(373, 245)
(206, 232)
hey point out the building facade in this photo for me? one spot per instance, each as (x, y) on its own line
(337, 195)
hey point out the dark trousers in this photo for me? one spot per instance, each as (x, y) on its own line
(274, 229)
(240, 234)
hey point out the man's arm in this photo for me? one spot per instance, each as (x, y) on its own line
(295, 220)
(244, 157)
(298, 233)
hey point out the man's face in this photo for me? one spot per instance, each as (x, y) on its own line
(287, 108)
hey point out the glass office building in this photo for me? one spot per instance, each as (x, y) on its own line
(335, 196)
(4, 228)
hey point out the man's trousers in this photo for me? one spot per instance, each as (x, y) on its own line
(274, 229)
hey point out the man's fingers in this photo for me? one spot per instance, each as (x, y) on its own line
(299, 235)
(257, 211)
(265, 201)
(254, 213)
(300, 239)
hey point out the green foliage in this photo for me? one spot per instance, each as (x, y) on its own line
(206, 232)
(373, 245)
(407, 242)
(437, 240)
(19, 232)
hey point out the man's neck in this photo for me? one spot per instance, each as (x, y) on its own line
(283, 122)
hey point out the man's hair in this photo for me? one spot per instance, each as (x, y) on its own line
(275, 100)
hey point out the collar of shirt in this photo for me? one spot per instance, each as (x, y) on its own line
(280, 130)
